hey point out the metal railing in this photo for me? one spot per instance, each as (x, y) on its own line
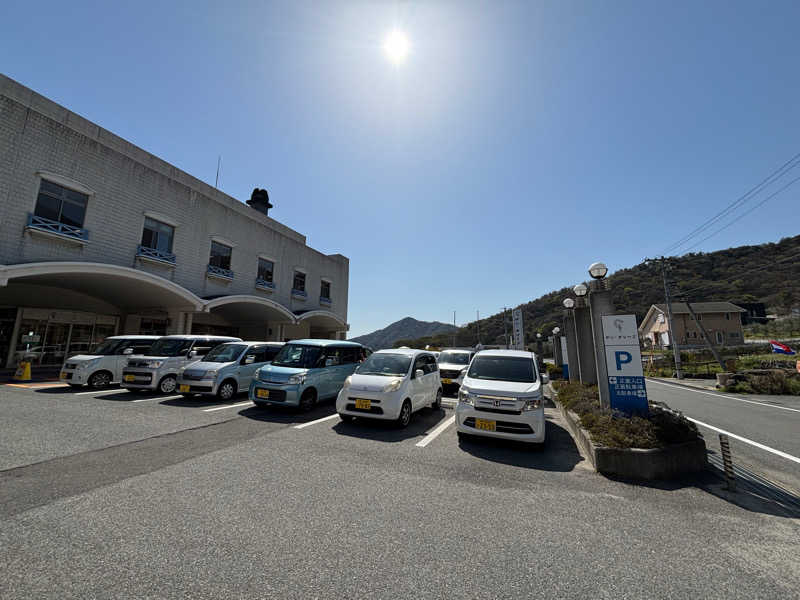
(299, 293)
(263, 283)
(152, 253)
(324, 300)
(50, 226)
(220, 272)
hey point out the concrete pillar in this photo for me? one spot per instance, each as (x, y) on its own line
(557, 358)
(585, 344)
(187, 326)
(600, 303)
(175, 326)
(572, 346)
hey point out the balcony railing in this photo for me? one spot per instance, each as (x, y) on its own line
(50, 226)
(299, 294)
(324, 300)
(263, 283)
(220, 272)
(153, 254)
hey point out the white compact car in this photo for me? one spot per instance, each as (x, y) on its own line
(501, 396)
(391, 385)
(452, 362)
(103, 366)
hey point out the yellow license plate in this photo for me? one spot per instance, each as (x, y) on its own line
(184, 388)
(447, 381)
(262, 393)
(486, 425)
(63, 375)
(363, 404)
(129, 378)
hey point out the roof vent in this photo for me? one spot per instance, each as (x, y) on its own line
(259, 200)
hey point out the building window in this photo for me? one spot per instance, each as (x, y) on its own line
(299, 284)
(265, 272)
(219, 262)
(61, 204)
(699, 317)
(325, 292)
(157, 241)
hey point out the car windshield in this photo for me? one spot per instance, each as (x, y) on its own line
(225, 353)
(390, 365)
(169, 347)
(110, 347)
(298, 356)
(503, 368)
(454, 358)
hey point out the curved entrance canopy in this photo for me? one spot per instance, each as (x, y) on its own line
(123, 287)
(322, 323)
(246, 308)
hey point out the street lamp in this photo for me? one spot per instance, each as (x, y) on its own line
(580, 290)
(556, 330)
(538, 336)
(598, 270)
(568, 303)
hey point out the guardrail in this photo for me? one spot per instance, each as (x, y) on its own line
(152, 253)
(263, 283)
(50, 226)
(219, 272)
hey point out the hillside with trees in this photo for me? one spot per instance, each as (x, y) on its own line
(765, 273)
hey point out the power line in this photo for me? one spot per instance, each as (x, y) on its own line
(787, 166)
(744, 214)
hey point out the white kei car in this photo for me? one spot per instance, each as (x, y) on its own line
(501, 396)
(391, 385)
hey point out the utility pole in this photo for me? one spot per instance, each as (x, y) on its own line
(705, 336)
(454, 325)
(505, 330)
(478, 325)
(673, 338)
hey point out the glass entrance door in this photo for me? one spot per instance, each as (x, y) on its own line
(54, 348)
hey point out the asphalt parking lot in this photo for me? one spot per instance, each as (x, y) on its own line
(115, 494)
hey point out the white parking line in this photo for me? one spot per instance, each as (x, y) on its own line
(683, 387)
(228, 406)
(158, 398)
(746, 441)
(328, 418)
(435, 433)
(100, 392)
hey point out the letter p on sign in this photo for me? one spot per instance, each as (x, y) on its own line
(622, 358)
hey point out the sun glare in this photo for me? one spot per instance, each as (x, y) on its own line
(396, 46)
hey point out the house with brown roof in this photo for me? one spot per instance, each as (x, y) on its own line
(721, 320)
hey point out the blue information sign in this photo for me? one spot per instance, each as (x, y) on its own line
(628, 394)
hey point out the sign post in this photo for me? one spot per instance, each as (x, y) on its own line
(518, 330)
(626, 386)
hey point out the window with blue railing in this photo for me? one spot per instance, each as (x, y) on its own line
(325, 292)
(157, 241)
(299, 285)
(266, 270)
(219, 262)
(59, 210)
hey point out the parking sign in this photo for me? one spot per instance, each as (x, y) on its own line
(626, 386)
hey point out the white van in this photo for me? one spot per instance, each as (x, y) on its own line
(103, 366)
(159, 369)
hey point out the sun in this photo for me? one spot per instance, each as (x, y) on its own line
(396, 46)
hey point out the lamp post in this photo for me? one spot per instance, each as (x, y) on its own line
(573, 358)
(583, 335)
(600, 303)
(557, 358)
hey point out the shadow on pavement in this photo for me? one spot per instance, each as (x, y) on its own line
(558, 453)
(202, 401)
(421, 423)
(287, 414)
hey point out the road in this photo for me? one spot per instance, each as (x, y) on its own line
(771, 421)
(119, 495)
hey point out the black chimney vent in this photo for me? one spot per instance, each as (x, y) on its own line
(259, 200)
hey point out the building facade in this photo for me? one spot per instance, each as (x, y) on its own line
(99, 237)
(721, 320)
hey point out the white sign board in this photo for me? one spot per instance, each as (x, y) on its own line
(624, 361)
(517, 329)
(620, 330)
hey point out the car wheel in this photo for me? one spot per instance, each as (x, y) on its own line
(168, 384)
(100, 379)
(227, 390)
(437, 404)
(346, 418)
(405, 415)
(308, 400)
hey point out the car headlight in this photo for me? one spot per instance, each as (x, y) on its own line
(299, 378)
(348, 381)
(533, 403)
(465, 397)
(393, 386)
(211, 374)
(154, 364)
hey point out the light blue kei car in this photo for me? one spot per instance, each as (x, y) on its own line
(305, 372)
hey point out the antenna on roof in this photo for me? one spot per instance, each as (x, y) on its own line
(216, 181)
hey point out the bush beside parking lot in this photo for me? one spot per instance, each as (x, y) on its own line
(661, 428)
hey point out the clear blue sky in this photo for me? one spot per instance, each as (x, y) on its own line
(519, 142)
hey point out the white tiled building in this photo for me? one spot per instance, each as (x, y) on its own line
(99, 237)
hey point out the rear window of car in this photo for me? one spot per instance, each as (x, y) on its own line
(503, 368)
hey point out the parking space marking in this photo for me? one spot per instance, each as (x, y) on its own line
(37, 386)
(158, 398)
(98, 392)
(746, 441)
(435, 433)
(328, 418)
(227, 406)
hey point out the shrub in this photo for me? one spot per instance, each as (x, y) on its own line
(660, 428)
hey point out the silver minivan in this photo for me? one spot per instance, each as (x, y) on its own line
(159, 369)
(103, 365)
(227, 369)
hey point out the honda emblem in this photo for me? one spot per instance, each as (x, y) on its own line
(497, 403)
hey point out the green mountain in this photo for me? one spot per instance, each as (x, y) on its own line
(768, 273)
(404, 328)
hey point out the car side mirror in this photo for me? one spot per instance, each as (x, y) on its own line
(192, 354)
(128, 351)
(419, 373)
(462, 374)
(249, 359)
(545, 378)
(329, 362)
